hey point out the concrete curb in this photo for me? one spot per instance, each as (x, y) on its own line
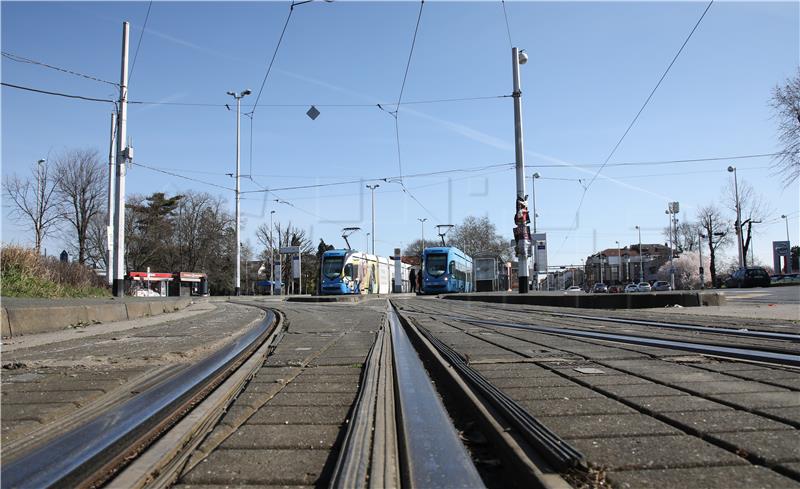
(30, 319)
(601, 301)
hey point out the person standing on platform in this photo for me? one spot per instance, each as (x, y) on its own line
(412, 278)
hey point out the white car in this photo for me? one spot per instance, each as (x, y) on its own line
(574, 290)
(631, 288)
(643, 287)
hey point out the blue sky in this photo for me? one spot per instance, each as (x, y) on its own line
(591, 67)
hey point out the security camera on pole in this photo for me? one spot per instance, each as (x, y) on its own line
(522, 233)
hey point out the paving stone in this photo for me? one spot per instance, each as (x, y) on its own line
(261, 467)
(512, 370)
(347, 361)
(762, 399)
(573, 407)
(264, 388)
(47, 397)
(605, 426)
(730, 387)
(300, 415)
(751, 476)
(310, 399)
(725, 421)
(311, 387)
(654, 452)
(332, 370)
(337, 379)
(532, 382)
(768, 374)
(641, 390)
(259, 436)
(676, 404)
(600, 380)
(675, 378)
(770, 446)
(787, 414)
(525, 393)
(271, 374)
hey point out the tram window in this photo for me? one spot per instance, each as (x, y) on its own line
(332, 266)
(348, 270)
(452, 268)
(436, 264)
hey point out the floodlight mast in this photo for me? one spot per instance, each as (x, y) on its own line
(347, 232)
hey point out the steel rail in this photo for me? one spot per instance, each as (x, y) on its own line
(87, 455)
(431, 451)
(690, 327)
(557, 452)
(708, 349)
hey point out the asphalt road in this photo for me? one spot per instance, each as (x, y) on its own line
(765, 295)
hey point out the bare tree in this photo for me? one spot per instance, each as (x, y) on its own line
(479, 235)
(786, 102)
(35, 201)
(82, 192)
(685, 236)
(415, 247)
(754, 210)
(718, 233)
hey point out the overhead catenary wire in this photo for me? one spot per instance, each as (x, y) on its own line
(508, 28)
(274, 55)
(22, 59)
(178, 175)
(58, 94)
(139, 43)
(636, 117)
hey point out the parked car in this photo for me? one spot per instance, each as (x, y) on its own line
(600, 288)
(643, 287)
(748, 277)
(661, 285)
(631, 288)
(614, 289)
(574, 290)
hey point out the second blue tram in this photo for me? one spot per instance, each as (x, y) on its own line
(446, 270)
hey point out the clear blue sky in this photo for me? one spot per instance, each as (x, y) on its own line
(591, 67)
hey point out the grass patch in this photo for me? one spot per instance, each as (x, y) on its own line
(23, 273)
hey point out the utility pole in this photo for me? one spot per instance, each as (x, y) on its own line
(641, 257)
(619, 262)
(702, 270)
(110, 203)
(237, 279)
(372, 188)
(521, 219)
(788, 267)
(124, 154)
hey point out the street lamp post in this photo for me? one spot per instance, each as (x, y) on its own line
(271, 256)
(372, 188)
(701, 236)
(671, 247)
(789, 259)
(238, 97)
(619, 262)
(518, 58)
(422, 222)
(739, 242)
(533, 240)
(641, 257)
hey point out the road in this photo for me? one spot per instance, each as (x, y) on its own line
(765, 295)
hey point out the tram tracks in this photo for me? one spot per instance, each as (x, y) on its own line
(92, 452)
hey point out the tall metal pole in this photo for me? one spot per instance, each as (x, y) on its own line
(237, 279)
(788, 267)
(641, 257)
(122, 157)
(671, 248)
(271, 256)
(422, 222)
(522, 242)
(110, 203)
(372, 188)
(739, 241)
(40, 204)
(619, 263)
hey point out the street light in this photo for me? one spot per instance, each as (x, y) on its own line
(238, 97)
(522, 235)
(788, 242)
(271, 256)
(783, 216)
(619, 263)
(732, 169)
(372, 188)
(641, 257)
(422, 221)
(533, 200)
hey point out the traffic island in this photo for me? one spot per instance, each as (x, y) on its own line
(30, 316)
(599, 301)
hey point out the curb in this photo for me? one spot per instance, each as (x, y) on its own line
(601, 301)
(21, 320)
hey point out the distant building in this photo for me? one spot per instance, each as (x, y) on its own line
(620, 266)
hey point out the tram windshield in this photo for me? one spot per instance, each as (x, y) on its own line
(332, 266)
(436, 264)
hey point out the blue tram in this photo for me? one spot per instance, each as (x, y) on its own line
(446, 270)
(355, 272)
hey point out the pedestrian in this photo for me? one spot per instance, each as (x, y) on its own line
(419, 281)
(412, 278)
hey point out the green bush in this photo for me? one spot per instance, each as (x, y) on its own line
(23, 273)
